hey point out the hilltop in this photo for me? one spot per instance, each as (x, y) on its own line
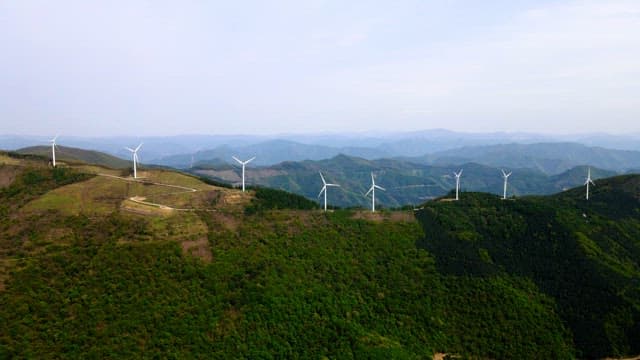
(96, 264)
(74, 155)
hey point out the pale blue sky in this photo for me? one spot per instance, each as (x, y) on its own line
(264, 67)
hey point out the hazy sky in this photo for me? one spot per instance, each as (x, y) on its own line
(177, 67)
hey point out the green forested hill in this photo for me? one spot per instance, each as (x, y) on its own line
(262, 275)
(583, 254)
(406, 183)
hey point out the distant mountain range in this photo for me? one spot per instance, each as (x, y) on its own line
(406, 182)
(550, 158)
(178, 150)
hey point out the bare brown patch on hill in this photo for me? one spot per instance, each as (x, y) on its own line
(395, 216)
(8, 174)
(198, 248)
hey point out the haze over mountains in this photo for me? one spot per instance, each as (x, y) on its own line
(272, 149)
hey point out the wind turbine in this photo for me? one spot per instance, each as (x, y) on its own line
(458, 174)
(372, 190)
(243, 163)
(324, 190)
(53, 150)
(506, 179)
(135, 159)
(589, 181)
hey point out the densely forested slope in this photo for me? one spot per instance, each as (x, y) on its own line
(585, 255)
(276, 283)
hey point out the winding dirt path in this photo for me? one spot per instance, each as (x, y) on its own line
(142, 200)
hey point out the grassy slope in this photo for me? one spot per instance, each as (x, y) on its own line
(279, 283)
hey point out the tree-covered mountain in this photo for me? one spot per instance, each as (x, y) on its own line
(550, 158)
(583, 254)
(405, 182)
(102, 266)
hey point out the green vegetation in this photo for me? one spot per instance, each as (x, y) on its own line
(269, 199)
(264, 274)
(582, 254)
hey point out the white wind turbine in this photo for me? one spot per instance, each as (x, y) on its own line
(589, 181)
(506, 179)
(324, 190)
(135, 159)
(53, 150)
(457, 175)
(243, 163)
(372, 190)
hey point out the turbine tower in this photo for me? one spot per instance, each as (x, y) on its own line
(506, 179)
(458, 174)
(53, 150)
(589, 181)
(135, 159)
(372, 190)
(243, 163)
(324, 190)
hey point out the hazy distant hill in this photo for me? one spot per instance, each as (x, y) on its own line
(550, 158)
(268, 153)
(405, 182)
(64, 153)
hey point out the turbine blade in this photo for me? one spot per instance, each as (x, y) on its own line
(139, 146)
(236, 159)
(130, 149)
(322, 177)
(592, 183)
(503, 173)
(380, 187)
(373, 181)
(250, 160)
(324, 188)
(370, 190)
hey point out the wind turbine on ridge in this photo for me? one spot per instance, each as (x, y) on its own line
(135, 159)
(243, 163)
(53, 150)
(324, 189)
(372, 190)
(589, 181)
(457, 175)
(506, 179)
